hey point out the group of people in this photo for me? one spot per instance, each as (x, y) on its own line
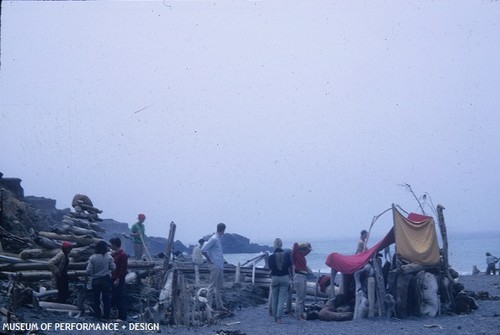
(107, 272)
(287, 267)
(290, 266)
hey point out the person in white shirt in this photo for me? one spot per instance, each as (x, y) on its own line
(212, 250)
(197, 256)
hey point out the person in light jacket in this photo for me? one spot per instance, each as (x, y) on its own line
(100, 266)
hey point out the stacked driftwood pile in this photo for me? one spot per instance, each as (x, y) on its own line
(84, 234)
(29, 280)
(31, 264)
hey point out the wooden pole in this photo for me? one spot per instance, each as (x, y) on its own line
(196, 275)
(237, 273)
(145, 247)
(444, 237)
(448, 278)
(371, 297)
(317, 286)
(253, 273)
(379, 280)
(169, 246)
(333, 274)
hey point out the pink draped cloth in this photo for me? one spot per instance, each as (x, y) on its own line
(351, 263)
(418, 244)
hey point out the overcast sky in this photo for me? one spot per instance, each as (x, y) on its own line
(291, 119)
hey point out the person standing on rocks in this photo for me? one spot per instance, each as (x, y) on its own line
(212, 250)
(281, 271)
(362, 242)
(138, 233)
(490, 264)
(59, 267)
(301, 270)
(118, 277)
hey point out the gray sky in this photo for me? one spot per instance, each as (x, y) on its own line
(292, 119)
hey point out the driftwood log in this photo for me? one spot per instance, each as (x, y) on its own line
(44, 294)
(169, 246)
(46, 243)
(38, 275)
(371, 297)
(444, 237)
(12, 259)
(180, 300)
(58, 306)
(83, 223)
(72, 266)
(77, 222)
(80, 240)
(166, 291)
(379, 281)
(69, 229)
(77, 253)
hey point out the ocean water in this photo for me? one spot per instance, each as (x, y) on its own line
(464, 251)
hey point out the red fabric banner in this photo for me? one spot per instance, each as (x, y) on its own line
(351, 263)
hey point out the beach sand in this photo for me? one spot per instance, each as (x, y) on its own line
(256, 320)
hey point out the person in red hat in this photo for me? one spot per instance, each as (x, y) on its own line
(59, 267)
(138, 233)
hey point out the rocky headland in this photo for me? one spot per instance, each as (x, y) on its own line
(22, 217)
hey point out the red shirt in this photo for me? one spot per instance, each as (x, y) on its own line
(299, 258)
(121, 260)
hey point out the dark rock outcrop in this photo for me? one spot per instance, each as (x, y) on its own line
(14, 186)
(237, 244)
(24, 216)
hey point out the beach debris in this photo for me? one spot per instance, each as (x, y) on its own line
(483, 295)
(229, 332)
(433, 326)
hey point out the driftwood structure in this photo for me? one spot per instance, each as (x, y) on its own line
(416, 281)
